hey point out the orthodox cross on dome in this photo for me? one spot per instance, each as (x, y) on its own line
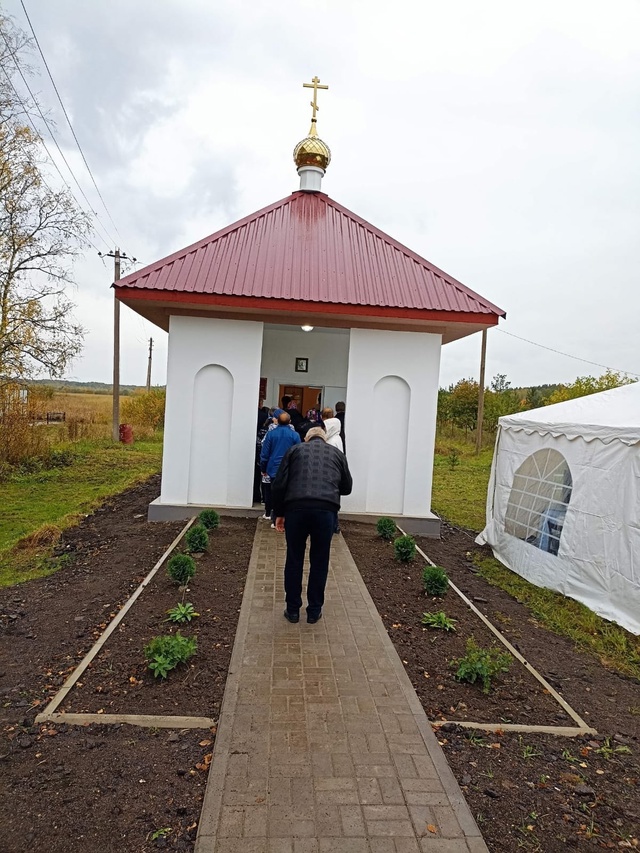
(315, 85)
(312, 155)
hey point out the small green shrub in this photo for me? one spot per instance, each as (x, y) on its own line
(386, 528)
(454, 459)
(182, 612)
(165, 653)
(181, 568)
(439, 620)
(197, 539)
(481, 664)
(209, 518)
(404, 548)
(435, 580)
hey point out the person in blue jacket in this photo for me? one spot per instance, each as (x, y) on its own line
(276, 443)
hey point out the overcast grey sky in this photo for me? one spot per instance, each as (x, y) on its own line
(500, 140)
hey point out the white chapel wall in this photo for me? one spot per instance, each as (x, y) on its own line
(389, 441)
(213, 373)
(210, 435)
(392, 396)
(327, 353)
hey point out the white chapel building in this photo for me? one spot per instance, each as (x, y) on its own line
(302, 297)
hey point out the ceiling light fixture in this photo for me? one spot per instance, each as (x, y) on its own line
(307, 328)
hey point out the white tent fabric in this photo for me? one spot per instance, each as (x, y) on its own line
(563, 505)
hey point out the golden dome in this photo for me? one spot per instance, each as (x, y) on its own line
(312, 151)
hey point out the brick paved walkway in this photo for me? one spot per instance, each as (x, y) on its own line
(322, 745)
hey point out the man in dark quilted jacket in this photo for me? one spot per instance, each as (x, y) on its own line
(306, 498)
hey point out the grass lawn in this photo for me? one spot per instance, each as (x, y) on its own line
(460, 480)
(36, 506)
(615, 647)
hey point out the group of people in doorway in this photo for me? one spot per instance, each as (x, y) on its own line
(301, 473)
(269, 452)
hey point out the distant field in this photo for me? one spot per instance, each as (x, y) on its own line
(97, 406)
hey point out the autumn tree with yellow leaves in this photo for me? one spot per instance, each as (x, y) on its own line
(41, 230)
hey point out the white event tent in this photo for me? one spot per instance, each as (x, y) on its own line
(563, 505)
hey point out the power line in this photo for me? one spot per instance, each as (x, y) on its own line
(44, 145)
(568, 355)
(66, 115)
(51, 134)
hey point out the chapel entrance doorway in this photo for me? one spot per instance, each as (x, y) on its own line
(306, 396)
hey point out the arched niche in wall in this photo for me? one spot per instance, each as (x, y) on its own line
(540, 495)
(389, 427)
(210, 434)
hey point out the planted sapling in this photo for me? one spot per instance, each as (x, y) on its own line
(181, 568)
(386, 528)
(439, 620)
(481, 664)
(209, 518)
(197, 539)
(182, 612)
(405, 548)
(165, 653)
(435, 580)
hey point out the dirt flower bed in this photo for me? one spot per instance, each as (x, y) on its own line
(527, 791)
(133, 790)
(428, 653)
(119, 680)
(111, 788)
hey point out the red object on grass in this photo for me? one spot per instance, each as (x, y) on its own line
(126, 433)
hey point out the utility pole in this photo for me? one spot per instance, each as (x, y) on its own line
(117, 257)
(483, 358)
(149, 365)
(116, 350)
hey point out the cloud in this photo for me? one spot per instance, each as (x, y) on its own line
(497, 140)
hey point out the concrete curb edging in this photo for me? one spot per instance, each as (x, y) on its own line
(160, 721)
(564, 731)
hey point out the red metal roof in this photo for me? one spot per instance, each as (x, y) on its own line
(307, 248)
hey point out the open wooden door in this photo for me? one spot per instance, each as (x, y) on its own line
(306, 396)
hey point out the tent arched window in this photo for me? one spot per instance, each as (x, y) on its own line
(539, 498)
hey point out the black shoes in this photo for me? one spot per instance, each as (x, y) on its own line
(292, 616)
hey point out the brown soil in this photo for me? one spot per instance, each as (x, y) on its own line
(111, 788)
(531, 792)
(118, 680)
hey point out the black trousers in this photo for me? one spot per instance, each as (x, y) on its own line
(266, 493)
(257, 482)
(316, 525)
